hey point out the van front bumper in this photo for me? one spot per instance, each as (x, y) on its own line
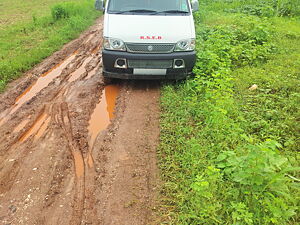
(109, 61)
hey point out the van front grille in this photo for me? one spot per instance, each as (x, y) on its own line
(149, 48)
(150, 64)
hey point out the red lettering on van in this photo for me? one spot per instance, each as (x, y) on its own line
(151, 37)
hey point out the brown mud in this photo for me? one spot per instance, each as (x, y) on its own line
(75, 150)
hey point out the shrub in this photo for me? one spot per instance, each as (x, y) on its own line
(247, 44)
(260, 183)
(69, 9)
(59, 12)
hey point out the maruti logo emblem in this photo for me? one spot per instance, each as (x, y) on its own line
(150, 48)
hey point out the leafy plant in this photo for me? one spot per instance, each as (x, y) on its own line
(260, 178)
(241, 214)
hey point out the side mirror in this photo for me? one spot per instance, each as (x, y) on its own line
(99, 5)
(195, 5)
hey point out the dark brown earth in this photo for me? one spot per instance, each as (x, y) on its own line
(74, 149)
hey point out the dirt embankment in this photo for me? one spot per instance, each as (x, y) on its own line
(74, 150)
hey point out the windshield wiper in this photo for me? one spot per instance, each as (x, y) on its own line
(174, 11)
(136, 11)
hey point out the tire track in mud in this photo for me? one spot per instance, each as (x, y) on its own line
(78, 164)
(125, 163)
(65, 146)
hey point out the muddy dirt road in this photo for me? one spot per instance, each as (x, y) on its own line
(74, 150)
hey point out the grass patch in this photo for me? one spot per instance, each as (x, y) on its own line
(15, 11)
(229, 155)
(262, 8)
(25, 44)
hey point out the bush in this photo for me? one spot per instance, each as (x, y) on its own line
(68, 9)
(248, 44)
(59, 12)
(261, 186)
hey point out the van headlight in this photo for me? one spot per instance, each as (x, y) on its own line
(114, 44)
(185, 45)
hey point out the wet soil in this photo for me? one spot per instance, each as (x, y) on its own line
(76, 150)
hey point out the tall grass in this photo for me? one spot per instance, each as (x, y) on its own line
(24, 45)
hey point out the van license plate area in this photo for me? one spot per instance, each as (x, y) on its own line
(150, 64)
(149, 71)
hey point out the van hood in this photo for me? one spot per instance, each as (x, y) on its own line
(149, 28)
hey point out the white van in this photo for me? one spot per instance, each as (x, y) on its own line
(148, 39)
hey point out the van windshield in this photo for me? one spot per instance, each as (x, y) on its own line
(148, 7)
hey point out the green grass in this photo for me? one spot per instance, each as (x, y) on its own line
(263, 8)
(13, 12)
(229, 155)
(24, 44)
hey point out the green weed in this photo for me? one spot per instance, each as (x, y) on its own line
(259, 174)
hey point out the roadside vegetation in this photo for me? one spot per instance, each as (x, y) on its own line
(45, 28)
(16, 11)
(230, 140)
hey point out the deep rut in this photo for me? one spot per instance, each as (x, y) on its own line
(74, 150)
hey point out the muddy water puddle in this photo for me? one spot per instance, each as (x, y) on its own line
(37, 129)
(80, 71)
(102, 115)
(42, 129)
(43, 81)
